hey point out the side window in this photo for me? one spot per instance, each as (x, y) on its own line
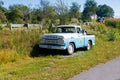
(78, 30)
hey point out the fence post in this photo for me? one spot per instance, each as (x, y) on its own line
(10, 26)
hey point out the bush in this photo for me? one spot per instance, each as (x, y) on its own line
(115, 23)
(57, 22)
(111, 36)
(98, 27)
(117, 34)
(74, 21)
(7, 55)
(1, 27)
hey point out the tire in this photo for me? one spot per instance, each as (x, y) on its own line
(70, 49)
(89, 45)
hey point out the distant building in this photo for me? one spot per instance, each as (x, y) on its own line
(93, 17)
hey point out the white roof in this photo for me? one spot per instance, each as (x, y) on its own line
(71, 25)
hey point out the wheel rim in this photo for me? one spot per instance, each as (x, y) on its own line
(71, 49)
(88, 46)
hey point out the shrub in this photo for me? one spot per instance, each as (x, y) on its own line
(1, 27)
(7, 55)
(74, 21)
(2, 45)
(57, 22)
(117, 35)
(115, 23)
(111, 36)
(98, 27)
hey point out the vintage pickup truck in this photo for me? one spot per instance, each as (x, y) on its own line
(68, 38)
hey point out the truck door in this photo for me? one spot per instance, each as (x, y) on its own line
(81, 38)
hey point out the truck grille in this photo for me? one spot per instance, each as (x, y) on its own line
(51, 41)
(52, 37)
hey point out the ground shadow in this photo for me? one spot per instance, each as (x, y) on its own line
(37, 52)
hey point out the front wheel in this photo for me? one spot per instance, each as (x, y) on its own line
(71, 48)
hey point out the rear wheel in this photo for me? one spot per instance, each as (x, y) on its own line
(89, 45)
(70, 49)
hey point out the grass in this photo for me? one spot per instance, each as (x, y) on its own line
(58, 66)
(20, 42)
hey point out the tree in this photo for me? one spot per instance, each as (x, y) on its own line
(48, 12)
(25, 10)
(44, 4)
(3, 10)
(44, 7)
(16, 16)
(105, 11)
(75, 10)
(3, 18)
(1, 3)
(37, 15)
(62, 11)
(90, 8)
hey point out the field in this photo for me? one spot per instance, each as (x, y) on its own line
(21, 59)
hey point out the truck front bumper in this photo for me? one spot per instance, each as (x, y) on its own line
(52, 47)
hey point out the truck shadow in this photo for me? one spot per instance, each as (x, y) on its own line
(37, 52)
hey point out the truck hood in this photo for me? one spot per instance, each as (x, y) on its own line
(60, 35)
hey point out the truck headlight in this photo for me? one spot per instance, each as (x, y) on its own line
(42, 41)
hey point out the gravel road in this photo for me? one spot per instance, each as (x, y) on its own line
(108, 71)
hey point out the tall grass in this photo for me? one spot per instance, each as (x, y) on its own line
(115, 23)
(114, 34)
(20, 42)
(56, 67)
(107, 33)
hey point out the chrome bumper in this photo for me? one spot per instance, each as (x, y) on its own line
(52, 47)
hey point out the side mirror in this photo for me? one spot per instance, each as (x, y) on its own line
(84, 32)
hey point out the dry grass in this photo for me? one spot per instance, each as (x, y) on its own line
(7, 55)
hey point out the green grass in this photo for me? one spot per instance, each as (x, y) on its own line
(58, 66)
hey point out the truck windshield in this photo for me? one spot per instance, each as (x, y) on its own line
(65, 30)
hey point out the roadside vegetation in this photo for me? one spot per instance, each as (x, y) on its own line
(20, 58)
(21, 54)
(17, 42)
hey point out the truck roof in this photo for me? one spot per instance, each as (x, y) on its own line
(71, 25)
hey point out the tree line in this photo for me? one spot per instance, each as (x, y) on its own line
(59, 13)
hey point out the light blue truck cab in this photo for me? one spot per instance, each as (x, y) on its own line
(67, 37)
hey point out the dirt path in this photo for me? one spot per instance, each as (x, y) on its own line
(108, 71)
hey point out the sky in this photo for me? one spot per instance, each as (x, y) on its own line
(115, 4)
